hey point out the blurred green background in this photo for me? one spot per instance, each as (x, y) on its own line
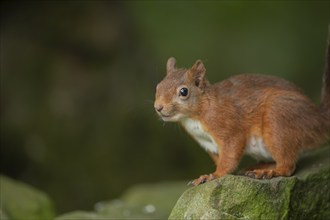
(78, 81)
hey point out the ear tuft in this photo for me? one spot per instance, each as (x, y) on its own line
(198, 72)
(171, 65)
(199, 67)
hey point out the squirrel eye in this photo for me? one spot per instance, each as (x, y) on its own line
(184, 91)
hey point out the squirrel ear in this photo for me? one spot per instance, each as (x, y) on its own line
(198, 72)
(171, 65)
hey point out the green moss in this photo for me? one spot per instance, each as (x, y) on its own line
(303, 196)
(20, 201)
(312, 203)
(248, 198)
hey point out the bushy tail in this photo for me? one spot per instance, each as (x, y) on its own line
(325, 97)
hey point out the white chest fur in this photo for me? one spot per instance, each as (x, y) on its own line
(195, 129)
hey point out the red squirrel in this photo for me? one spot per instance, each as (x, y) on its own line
(263, 116)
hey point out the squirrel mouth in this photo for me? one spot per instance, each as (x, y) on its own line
(170, 117)
(164, 116)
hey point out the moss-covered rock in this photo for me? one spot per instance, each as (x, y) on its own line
(305, 195)
(20, 201)
(145, 201)
(82, 215)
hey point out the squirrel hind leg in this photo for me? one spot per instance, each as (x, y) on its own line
(268, 173)
(284, 133)
(259, 166)
(261, 170)
(285, 158)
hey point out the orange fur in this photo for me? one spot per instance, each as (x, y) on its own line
(268, 113)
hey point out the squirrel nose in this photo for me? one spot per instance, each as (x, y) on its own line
(159, 108)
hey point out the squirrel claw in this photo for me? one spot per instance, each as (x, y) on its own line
(260, 174)
(201, 180)
(250, 174)
(194, 182)
(190, 183)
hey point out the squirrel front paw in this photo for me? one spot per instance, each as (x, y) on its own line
(202, 179)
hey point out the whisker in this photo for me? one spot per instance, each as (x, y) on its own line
(148, 101)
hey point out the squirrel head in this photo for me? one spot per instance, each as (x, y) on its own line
(179, 94)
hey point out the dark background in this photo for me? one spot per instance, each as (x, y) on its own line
(78, 81)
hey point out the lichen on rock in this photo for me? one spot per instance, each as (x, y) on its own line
(305, 195)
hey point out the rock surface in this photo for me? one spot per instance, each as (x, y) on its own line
(20, 201)
(146, 201)
(306, 195)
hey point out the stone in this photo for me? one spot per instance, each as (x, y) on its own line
(143, 201)
(21, 201)
(82, 215)
(305, 195)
